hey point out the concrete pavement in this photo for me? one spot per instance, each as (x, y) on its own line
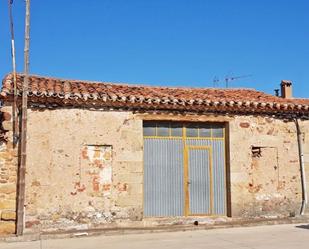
(260, 237)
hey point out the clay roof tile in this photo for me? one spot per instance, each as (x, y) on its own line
(145, 97)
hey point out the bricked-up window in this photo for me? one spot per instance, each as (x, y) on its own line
(96, 169)
(264, 178)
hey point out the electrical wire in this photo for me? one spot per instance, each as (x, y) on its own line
(15, 123)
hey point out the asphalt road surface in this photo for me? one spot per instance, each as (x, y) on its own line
(260, 237)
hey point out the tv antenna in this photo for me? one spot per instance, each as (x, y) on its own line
(228, 79)
(216, 81)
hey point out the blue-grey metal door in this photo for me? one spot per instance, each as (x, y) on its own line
(199, 180)
(163, 177)
(216, 163)
(184, 169)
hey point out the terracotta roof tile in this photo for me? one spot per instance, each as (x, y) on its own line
(53, 91)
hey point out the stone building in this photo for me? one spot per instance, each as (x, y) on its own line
(116, 155)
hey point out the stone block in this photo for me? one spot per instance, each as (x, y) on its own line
(306, 157)
(6, 155)
(126, 155)
(135, 188)
(7, 125)
(13, 179)
(7, 227)
(131, 167)
(7, 109)
(238, 177)
(7, 188)
(8, 215)
(11, 196)
(7, 204)
(7, 116)
(129, 178)
(306, 143)
(129, 200)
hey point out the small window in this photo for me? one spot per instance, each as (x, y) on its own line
(176, 130)
(149, 129)
(163, 130)
(205, 131)
(192, 131)
(217, 132)
(256, 151)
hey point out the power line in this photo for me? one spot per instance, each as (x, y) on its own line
(15, 121)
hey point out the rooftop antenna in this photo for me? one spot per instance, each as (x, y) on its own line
(215, 81)
(232, 78)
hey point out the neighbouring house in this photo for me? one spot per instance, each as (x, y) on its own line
(113, 155)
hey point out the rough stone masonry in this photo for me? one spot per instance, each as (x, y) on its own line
(84, 164)
(85, 168)
(8, 174)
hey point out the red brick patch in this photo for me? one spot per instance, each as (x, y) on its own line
(84, 153)
(122, 187)
(244, 125)
(32, 223)
(106, 187)
(6, 116)
(95, 184)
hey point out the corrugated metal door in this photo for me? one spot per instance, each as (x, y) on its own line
(184, 169)
(217, 164)
(163, 177)
(199, 180)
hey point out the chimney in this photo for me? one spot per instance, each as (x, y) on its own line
(286, 89)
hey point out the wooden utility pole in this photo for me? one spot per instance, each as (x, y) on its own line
(23, 141)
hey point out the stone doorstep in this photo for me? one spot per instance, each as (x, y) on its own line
(157, 229)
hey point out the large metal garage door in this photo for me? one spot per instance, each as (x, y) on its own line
(184, 169)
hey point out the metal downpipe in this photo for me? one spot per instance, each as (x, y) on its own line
(302, 169)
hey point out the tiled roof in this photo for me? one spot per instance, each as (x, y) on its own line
(45, 91)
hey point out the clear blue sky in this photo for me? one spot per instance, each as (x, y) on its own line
(164, 42)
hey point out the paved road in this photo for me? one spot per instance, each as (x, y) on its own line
(262, 237)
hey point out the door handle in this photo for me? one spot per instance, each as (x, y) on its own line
(188, 182)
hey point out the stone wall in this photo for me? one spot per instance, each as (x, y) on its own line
(265, 169)
(8, 174)
(85, 168)
(304, 126)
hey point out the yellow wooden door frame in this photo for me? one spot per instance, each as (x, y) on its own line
(187, 148)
